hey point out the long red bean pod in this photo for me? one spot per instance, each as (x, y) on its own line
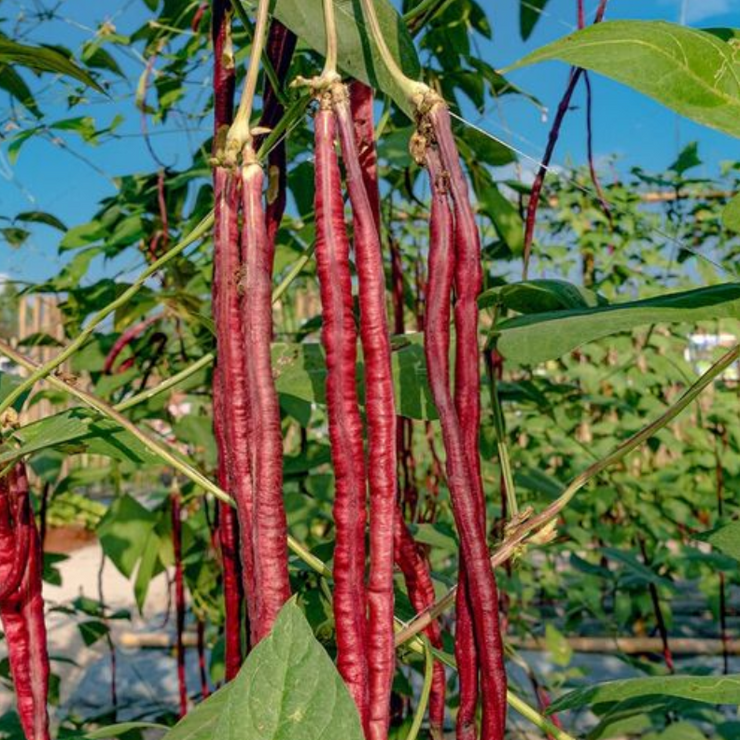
(228, 540)
(125, 339)
(22, 611)
(270, 526)
(381, 424)
(420, 589)
(176, 515)
(361, 104)
(279, 49)
(232, 401)
(229, 377)
(481, 583)
(339, 337)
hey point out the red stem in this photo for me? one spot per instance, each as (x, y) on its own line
(204, 688)
(128, 336)
(552, 140)
(339, 337)
(381, 422)
(179, 601)
(272, 586)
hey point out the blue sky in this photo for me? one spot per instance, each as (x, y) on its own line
(636, 130)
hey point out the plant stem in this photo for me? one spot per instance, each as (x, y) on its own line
(330, 28)
(41, 371)
(412, 89)
(240, 134)
(536, 718)
(266, 63)
(148, 393)
(426, 690)
(299, 264)
(545, 519)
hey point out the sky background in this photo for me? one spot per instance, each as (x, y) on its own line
(70, 181)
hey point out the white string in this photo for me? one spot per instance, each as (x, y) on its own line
(558, 171)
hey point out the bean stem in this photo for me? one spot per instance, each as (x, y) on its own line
(426, 690)
(240, 133)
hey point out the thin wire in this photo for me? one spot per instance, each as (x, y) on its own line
(546, 14)
(559, 172)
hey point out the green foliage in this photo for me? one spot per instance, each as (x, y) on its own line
(690, 71)
(287, 689)
(709, 689)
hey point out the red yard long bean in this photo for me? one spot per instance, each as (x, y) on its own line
(483, 600)
(361, 104)
(339, 337)
(125, 339)
(381, 423)
(228, 539)
(231, 398)
(229, 377)
(22, 610)
(420, 589)
(272, 586)
(279, 48)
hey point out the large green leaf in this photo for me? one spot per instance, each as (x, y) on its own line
(43, 59)
(709, 689)
(288, 689)
(357, 54)
(692, 72)
(545, 336)
(125, 531)
(300, 372)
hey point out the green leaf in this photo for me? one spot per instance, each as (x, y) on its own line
(288, 689)
(690, 71)
(84, 428)
(13, 83)
(727, 539)
(541, 296)
(124, 532)
(731, 214)
(558, 646)
(8, 383)
(300, 372)
(43, 59)
(15, 236)
(357, 54)
(688, 158)
(530, 11)
(41, 217)
(92, 630)
(545, 336)
(709, 689)
(121, 729)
